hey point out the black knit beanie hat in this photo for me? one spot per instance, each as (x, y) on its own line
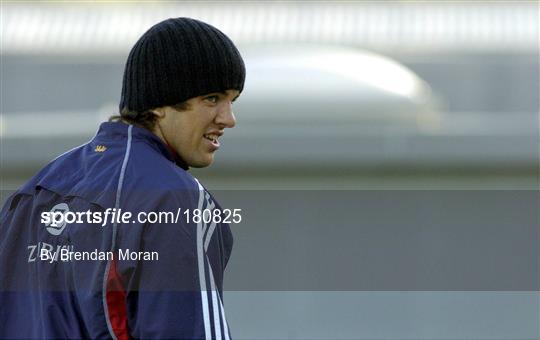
(178, 59)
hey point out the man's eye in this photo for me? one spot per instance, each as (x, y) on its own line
(212, 99)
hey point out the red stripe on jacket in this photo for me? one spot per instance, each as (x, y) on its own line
(116, 303)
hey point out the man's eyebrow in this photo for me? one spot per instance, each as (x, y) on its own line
(224, 92)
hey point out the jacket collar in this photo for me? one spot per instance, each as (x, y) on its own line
(119, 129)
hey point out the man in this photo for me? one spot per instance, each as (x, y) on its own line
(107, 276)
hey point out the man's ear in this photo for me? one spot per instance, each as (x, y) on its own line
(159, 112)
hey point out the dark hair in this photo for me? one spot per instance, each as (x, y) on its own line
(146, 119)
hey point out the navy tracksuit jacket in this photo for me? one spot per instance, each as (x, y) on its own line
(177, 296)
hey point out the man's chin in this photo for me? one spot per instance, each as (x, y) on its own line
(202, 163)
(198, 166)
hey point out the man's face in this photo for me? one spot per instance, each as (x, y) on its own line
(194, 133)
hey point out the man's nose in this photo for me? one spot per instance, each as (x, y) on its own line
(226, 116)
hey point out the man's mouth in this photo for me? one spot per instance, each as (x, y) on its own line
(211, 137)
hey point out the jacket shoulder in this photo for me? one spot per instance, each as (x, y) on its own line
(148, 169)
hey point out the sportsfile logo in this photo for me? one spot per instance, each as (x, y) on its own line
(57, 223)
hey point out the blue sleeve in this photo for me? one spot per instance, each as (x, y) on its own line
(178, 292)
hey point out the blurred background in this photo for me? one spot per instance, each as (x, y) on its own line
(351, 95)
